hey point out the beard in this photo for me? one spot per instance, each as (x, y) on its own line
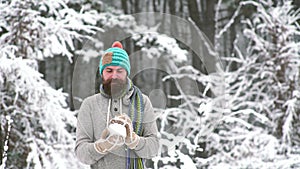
(114, 87)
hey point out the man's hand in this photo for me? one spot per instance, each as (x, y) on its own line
(107, 142)
(132, 139)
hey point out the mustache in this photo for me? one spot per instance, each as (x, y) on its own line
(109, 81)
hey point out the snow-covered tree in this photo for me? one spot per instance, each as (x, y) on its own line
(175, 122)
(256, 127)
(259, 125)
(271, 67)
(272, 63)
(36, 124)
(255, 124)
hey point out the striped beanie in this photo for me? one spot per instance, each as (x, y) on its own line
(115, 56)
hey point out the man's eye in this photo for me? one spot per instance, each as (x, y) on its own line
(108, 70)
(120, 71)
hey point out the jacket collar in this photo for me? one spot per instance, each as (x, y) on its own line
(126, 98)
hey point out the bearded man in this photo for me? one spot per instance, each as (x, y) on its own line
(116, 128)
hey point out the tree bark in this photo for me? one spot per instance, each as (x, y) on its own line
(172, 10)
(42, 68)
(194, 12)
(1, 144)
(208, 9)
(163, 26)
(154, 6)
(181, 8)
(71, 97)
(136, 6)
(195, 16)
(125, 6)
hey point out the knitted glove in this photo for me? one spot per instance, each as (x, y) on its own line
(131, 139)
(108, 142)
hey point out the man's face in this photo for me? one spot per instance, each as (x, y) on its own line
(114, 79)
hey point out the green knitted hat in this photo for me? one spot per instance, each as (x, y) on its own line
(115, 56)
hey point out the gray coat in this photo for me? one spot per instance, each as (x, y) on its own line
(91, 121)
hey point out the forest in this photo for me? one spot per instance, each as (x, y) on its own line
(222, 76)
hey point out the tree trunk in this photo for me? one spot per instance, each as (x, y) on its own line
(71, 97)
(194, 12)
(62, 77)
(42, 68)
(163, 26)
(154, 6)
(230, 49)
(1, 143)
(195, 16)
(124, 6)
(208, 9)
(136, 6)
(165, 6)
(172, 10)
(181, 8)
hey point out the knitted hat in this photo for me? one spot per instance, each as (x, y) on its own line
(115, 56)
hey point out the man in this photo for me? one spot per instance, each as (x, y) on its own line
(116, 128)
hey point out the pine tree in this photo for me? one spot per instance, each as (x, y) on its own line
(273, 71)
(259, 121)
(36, 124)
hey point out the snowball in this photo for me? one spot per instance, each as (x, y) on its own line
(117, 129)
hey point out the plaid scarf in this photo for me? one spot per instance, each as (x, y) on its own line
(136, 114)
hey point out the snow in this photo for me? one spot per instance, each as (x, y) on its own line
(38, 114)
(6, 140)
(142, 35)
(237, 122)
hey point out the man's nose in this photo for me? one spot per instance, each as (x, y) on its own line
(114, 75)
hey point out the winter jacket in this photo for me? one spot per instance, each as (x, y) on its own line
(91, 121)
